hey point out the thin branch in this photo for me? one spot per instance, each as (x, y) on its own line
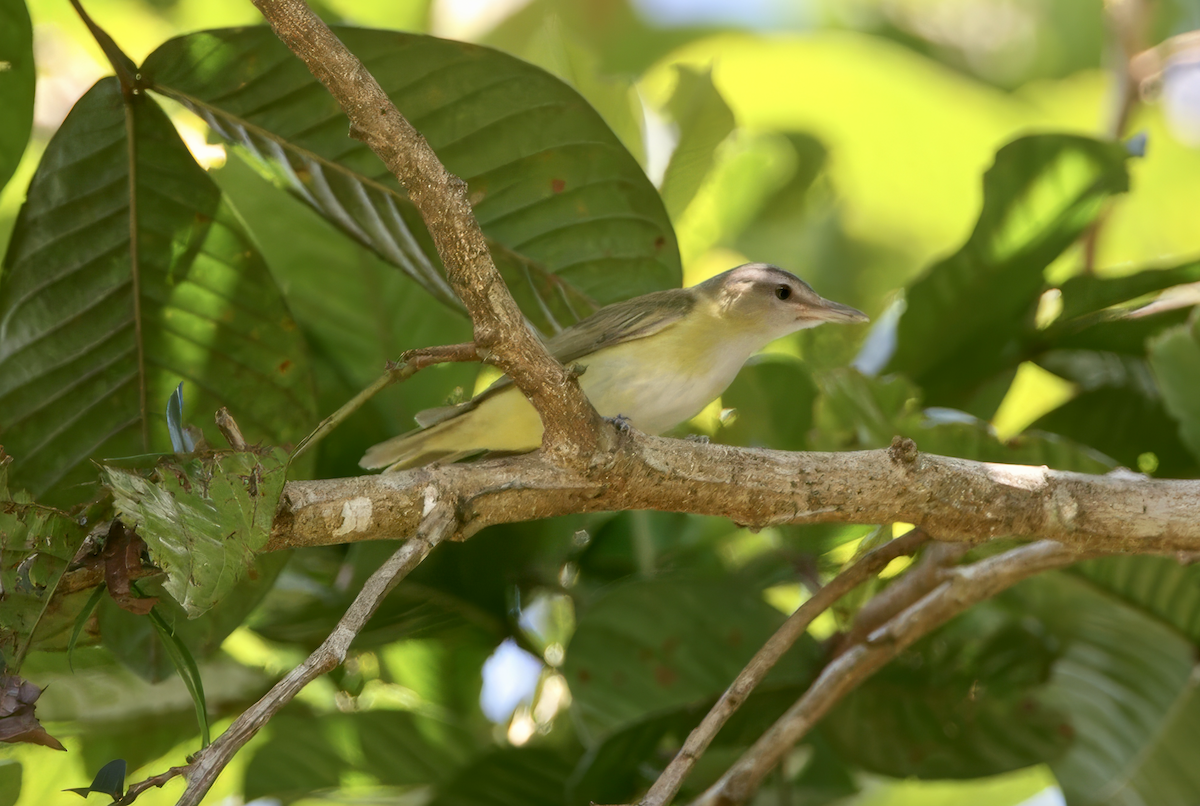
(764, 660)
(961, 587)
(409, 364)
(131, 794)
(437, 524)
(916, 582)
(573, 433)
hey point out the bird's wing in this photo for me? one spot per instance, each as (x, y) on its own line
(614, 324)
(625, 321)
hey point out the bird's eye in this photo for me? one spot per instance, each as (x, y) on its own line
(783, 292)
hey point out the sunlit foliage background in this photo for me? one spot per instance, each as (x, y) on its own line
(845, 141)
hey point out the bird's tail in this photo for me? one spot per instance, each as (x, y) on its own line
(414, 449)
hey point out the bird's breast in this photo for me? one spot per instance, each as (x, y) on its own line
(660, 381)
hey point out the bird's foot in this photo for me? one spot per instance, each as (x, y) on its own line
(621, 422)
(703, 439)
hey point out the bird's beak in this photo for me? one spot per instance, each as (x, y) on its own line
(826, 310)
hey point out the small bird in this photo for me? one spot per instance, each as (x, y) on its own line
(655, 360)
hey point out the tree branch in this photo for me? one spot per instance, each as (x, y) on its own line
(437, 524)
(954, 499)
(916, 582)
(574, 433)
(960, 588)
(764, 660)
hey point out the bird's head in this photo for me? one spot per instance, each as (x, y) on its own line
(765, 299)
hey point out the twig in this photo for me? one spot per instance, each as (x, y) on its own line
(437, 524)
(131, 794)
(960, 588)
(764, 660)
(573, 432)
(409, 364)
(230, 429)
(917, 581)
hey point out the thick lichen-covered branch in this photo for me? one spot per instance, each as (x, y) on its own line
(954, 499)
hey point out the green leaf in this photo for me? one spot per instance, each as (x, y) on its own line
(773, 399)
(376, 315)
(856, 412)
(1159, 587)
(629, 759)
(1089, 293)
(37, 543)
(81, 619)
(299, 757)
(966, 315)
(613, 95)
(1127, 684)
(1118, 411)
(185, 665)
(1175, 356)
(1109, 331)
(10, 781)
(622, 666)
(512, 776)
(110, 780)
(17, 80)
(203, 520)
(610, 772)
(704, 121)
(571, 217)
(94, 335)
(964, 702)
(135, 643)
(405, 749)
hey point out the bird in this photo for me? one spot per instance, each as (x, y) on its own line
(653, 361)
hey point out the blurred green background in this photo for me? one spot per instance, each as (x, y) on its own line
(844, 141)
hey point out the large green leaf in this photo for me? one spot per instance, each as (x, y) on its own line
(1088, 293)
(397, 748)
(1108, 331)
(964, 702)
(512, 776)
(704, 120)
(203, 520)
(1175, 356)
(95, 334)
(376, 314)
(1127, 684)
(403, 749)
(622, 666)
(856, 412)
(965, 316)
(1158, 586)
(301, 756)
(1119, 410)
(572, 219)
(17, 80)
(773, 399)
(10, 781)
(1125, 424)
(134, 641)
